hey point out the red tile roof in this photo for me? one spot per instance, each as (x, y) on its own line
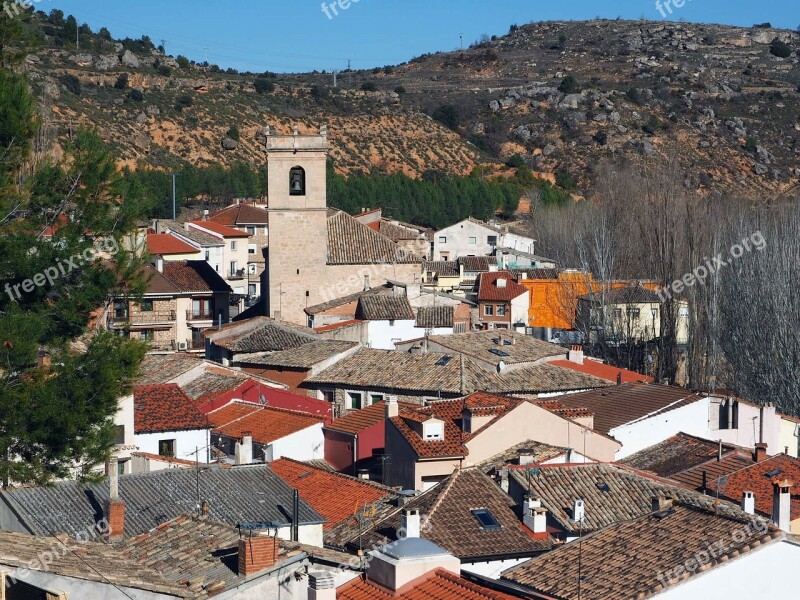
(266, 424)
(336, 497)
(164, 243)
(758, 478)
(436, 585)
(359, 420)
(603, 371)
(488, 288)
(240, 214)
(164, 407)
(222, 230)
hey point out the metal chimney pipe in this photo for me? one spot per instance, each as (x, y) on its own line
(295, 515)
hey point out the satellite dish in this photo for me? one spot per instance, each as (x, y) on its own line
(262, 399)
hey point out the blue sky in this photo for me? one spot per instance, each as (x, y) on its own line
(296, 35)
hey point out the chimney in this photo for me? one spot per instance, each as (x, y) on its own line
(363, 474)
(525, 457)
(502, 282)
(749, 503)
(116, 507)
(502, 476)
(705, 481)
(619, 378)
(392, 407)
(761, 452)
(501, 339)
(578, 511)
(575, 355)
(243, 452)
(257, 553)
(782, 503)
(205, 215)
(321, 586)
(535, 516)
(719, 452)
(295, 515)
(659, 504)
(366, 283)
(411, 522)
(204, 508)
(159, 263)
(186, 225)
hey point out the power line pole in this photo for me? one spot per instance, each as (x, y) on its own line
(334, 78)
(77, 35)
(164, 47)
(461, 39)
(174, 198)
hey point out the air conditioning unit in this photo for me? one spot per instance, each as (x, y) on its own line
(253, 269)
(183, 346)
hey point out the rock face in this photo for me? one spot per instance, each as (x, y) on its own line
(104, 63)
(152, 111)
(229, 144)
(571, 102)
(129, 59)
(261, 135)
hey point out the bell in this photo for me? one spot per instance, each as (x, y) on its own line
(296, 187)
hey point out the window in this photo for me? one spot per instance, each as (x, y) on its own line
(473, 240)
(373, 398)
(501, 310)
(146, 335)
(491, 240)
(328, 396)
(297, 181)
(208, 255)
(251, 249)
(233, 244)
(146, 306)
(166, 448)
(119, 434)
(120, 309)
(442, 239)
(202, 307)
(617, 313)
(391, 322)
(488, 310)
(356, 400)
(233, 268)
(250, 230)
(486, 519)
(251, 289)
(634, 313)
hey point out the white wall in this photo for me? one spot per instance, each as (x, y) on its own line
(124, 417)
(306, 444)
(518, 242)
(519, 308)
(186, 442)
(457, 243)
(308, 534)
(492, 569)
(383, 334)
(764, 574)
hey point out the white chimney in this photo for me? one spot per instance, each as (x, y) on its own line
(366, 283)
(159, 263)
(243, 453)
(578, 511)
(205, 215)
(575, 355)
(502, 282)
(534, 516)
(392, 407)
(411, 522)
(749, 503)
(113, 478)
(321, 586)
(782, 504)
(502, 475)
(525, 457)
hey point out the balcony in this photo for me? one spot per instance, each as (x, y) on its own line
(197, 316)
(141, 319)
(237, 274)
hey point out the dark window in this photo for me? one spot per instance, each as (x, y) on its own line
(166, 448)
(297, 181)
(444, 361)
(146, 335)
(147, 306)
(491, 240)
(120, 309)
(486, 519)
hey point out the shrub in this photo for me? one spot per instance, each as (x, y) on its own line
(135, 95)
(122, 82)
(751, 145)
(634, 95)
(183, 101)
(400, 90)
(601, 137)
(388, 70)
(565, 180)
(448, 115)
(233, 133)
(516, 162)
(319, 93)
(164, 70)
(263, 86)
(183, 62)
(71, 83)
(569, 85)
(369, 86)
(780, 49)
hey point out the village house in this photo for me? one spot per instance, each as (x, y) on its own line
(472, 237)
(502, 302)
(235, 342)
(237, 269)
(212, 248)
(427, 443)
(413, 238)
(182, 299)
(169, 247)
(513, 259)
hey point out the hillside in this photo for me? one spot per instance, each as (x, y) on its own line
(562, 95)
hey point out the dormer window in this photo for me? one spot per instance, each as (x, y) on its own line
(433, 430)
(297, 181)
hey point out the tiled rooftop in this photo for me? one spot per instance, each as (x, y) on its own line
(537, 451)
(436, 585)
(261, 334)
(634, 294)
(333, 495)
(498, 286)
(162, 368)
(625, 559)
(485, 345)
(442, 268)
(359, 420)
(223, 230)
(165, 407)
(431, 317)
(240, 214)
(384, 307)
(265, 423)
(477, 264)
(194, 276)
(676, 454)
(353, 243)
(301, 357)
(164, 243)
(603, 371)
(210, 385)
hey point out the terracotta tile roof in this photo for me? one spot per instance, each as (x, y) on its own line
(758, 478)
(436, 585)
(485, 345)
(490, 288)
(339, 325)
(164, 407)
(536, 450)
(397, 232)
(676, 454)
(240, 214)
(352, 243)
(161, 368)
(477, 264)
(611, 493)
(164, 243)
(201, 238)
(87, 560)
(533, 274)
(335, 496)
(449, 522)
(359, 420)
(223, 230)
(166, 459)
(442, 268)
(554, 406)
(384, 307)
(265, 423)
(699, 476)
(193, 276)
(634, 294)
(350, 298)
(544, 378)
(431, 317)
(301, 357)
(261, 334)
(626, 559)
(603, 371)
(210, 385)
(619, 404)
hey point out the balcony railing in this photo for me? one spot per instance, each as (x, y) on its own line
(193, 316)
(237, 274)
(143, 318)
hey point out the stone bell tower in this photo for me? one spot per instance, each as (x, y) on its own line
(298, 234)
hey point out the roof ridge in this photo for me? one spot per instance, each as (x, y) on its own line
(443, 493)
(343, 476)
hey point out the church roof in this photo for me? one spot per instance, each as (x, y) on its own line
(353, 243)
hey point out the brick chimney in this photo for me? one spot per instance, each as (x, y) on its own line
(575, 355)
(321, 586)
(257, 554)
(116, 507)
(392, 407)
(749, 502)
(761, 452)
(782, 503)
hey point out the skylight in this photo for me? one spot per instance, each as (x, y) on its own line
(486, 519)
(498, 352)
(444, 361)
(774, 473)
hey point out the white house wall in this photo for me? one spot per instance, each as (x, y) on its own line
(186, 442)
(458, 244)
(306, 444)
(492, 569)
